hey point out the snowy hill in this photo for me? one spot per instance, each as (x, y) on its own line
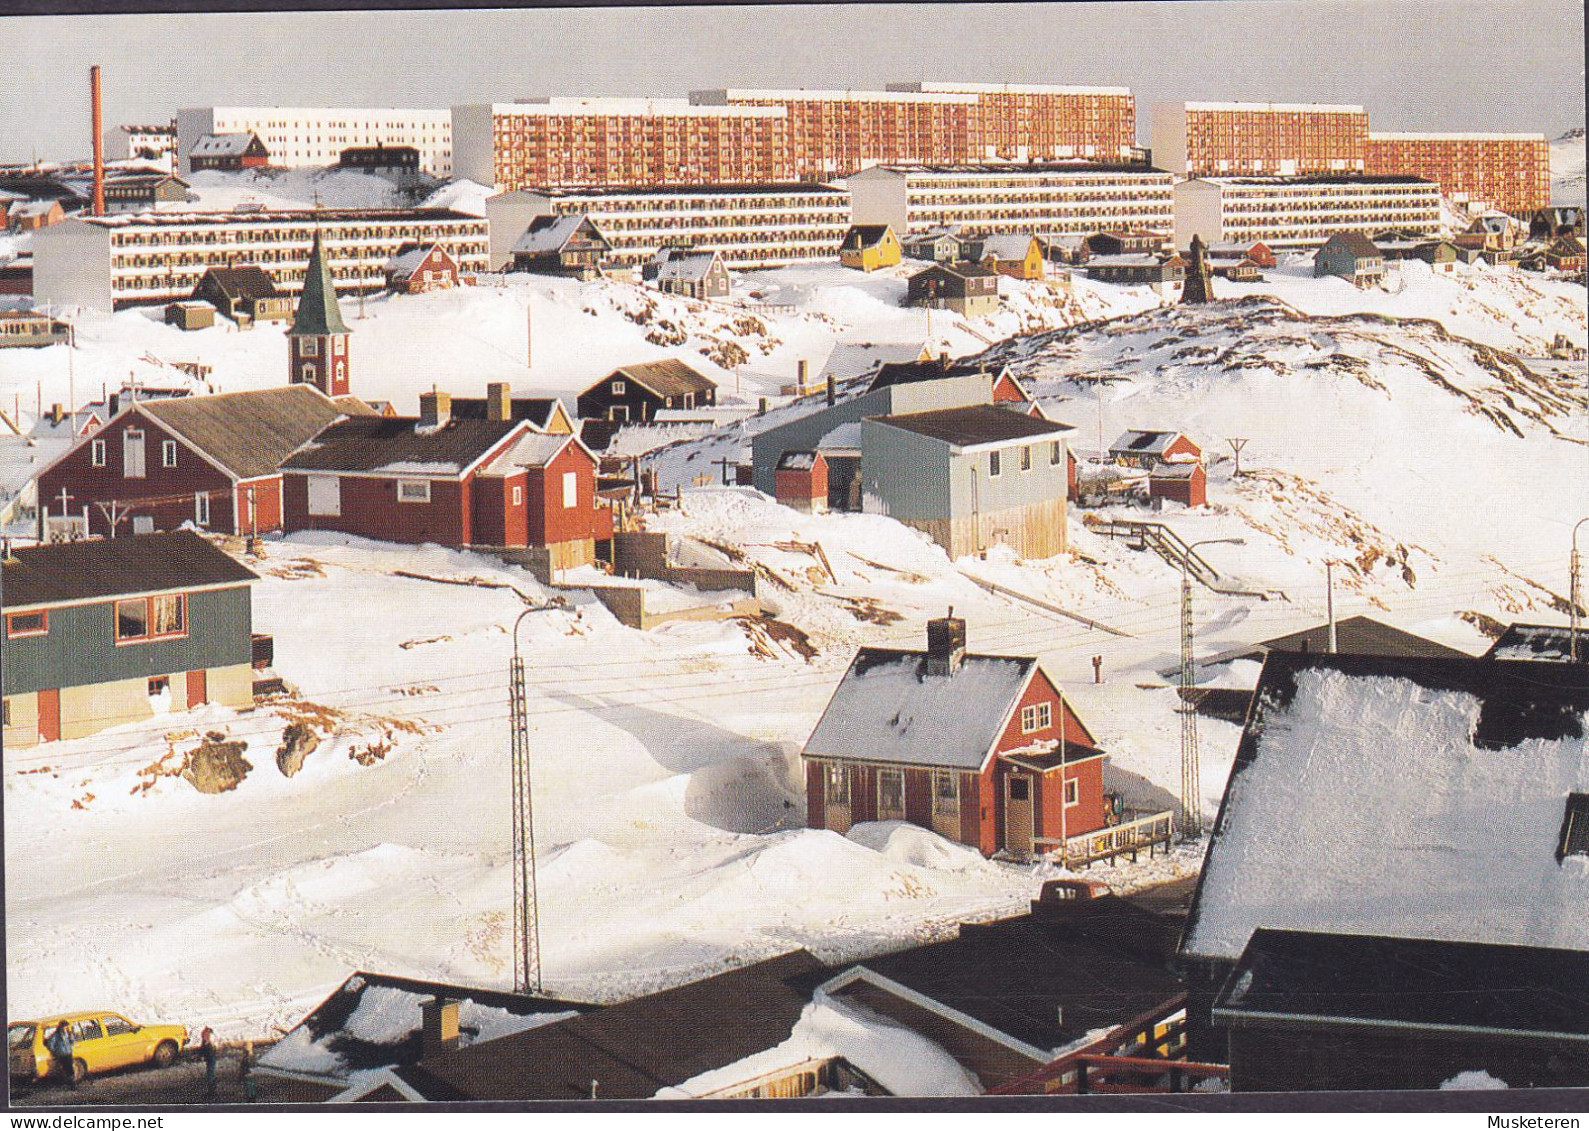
(1567, 168)
(1396, 431)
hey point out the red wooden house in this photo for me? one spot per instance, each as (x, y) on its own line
(1185, 483)
(211, 461)
(416, 269)
(801, 481)
(436, 478)
(1146, 450)
(981, 749)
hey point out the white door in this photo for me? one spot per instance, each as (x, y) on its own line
(132, 466)
(142, 524)
(325, 495)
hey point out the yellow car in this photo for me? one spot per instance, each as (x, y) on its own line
(100, 1042)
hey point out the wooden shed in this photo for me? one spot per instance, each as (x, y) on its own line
(1185, 483)
(802, 481)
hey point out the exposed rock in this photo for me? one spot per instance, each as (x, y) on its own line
(298, 741)
(216, 767)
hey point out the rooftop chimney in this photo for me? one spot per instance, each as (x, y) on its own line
(98, 116)
(499, 401)
(435, 410)
(946, 644)
(438, 1023)
(802, 374)
(833, 387)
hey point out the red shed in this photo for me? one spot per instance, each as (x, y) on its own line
(802, 481)
(1180, 482)
(416, 269)
(1146, 449)
(981, 749)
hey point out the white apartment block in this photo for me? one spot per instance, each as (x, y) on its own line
(317, 135)
(1301, 212)
(981, 199)
(111, 262)
(749, 225)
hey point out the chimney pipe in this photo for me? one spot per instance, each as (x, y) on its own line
(833, 388)
(438, 1021)
(802, 374)
(946, 644)
(97, 113)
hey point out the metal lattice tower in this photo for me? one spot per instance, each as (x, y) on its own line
(1191, 806)
(526, 917)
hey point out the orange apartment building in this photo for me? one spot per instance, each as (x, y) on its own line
(1212, 139)
(1506, 171)
(618, 142)
(832, 133)
(1027, 122)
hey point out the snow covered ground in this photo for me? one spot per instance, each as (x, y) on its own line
(669, 802)
(1567, 168)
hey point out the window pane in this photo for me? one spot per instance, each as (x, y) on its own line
(19, 624)
(168, 614)
(132, 619)
(890, 791)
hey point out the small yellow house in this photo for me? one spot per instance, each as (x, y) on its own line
(1018, 256)
(867, 247)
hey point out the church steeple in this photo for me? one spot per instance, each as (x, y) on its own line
(1199, 285)
(318, 340)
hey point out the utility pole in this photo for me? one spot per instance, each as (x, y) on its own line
(1191, 770)
(1573, 591)
(529, 336)
(526, 908)
(1237, 443)
(1329, 601)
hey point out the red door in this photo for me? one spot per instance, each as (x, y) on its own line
(50, 715)
(198, 688)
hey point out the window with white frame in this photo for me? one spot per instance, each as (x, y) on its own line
(308, 374)
(309, 347)
(994, 467)
(1072, 792)
(413, 490)
(518, 496)
(1037, 716)
(96, 453)
(201, 508)
(570, 489)
(618, 388)
(1056, 453)
(1026, 458)
(890, 795)
(168, 453)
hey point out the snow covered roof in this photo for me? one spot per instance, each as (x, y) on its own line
(406, 262)
(533, 449)
(667, 378)
(1137, 441)
(974, 425)
(1359, 245)
(851, 359)
(222, 145)
(1005, 246)
(1539, 642)
(547, 235)
(374, 1021)
(844, 438)
(672, 265)
(636, 1048)
(1398, 982)
(1414, 797)
(888, 708)
(798, 461)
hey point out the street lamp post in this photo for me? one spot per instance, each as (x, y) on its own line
(526, 910)
(1191, 771)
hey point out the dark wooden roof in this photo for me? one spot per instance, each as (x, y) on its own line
(114, 567)
(247, 281)
(1424, 983)
(910, 372)
(1539, 642)
(1016, 975)
(392, 445)
(1358, 636)
(974, 424)
(668, 378)
(250, 433)
(634, 1049)
(864, 235)
(537, 410)
(963, 269)
(1355, 242)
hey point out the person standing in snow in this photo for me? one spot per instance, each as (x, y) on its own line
(59, 1042)
(208, 1050)
(245, 1071)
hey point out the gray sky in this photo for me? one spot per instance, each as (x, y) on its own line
(1415, 64)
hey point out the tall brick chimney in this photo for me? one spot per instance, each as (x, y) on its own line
(438, 1022)
(946, 644)
(98, 117)
(435, 410)
(499, 401)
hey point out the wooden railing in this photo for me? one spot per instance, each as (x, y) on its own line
(1113, 841)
